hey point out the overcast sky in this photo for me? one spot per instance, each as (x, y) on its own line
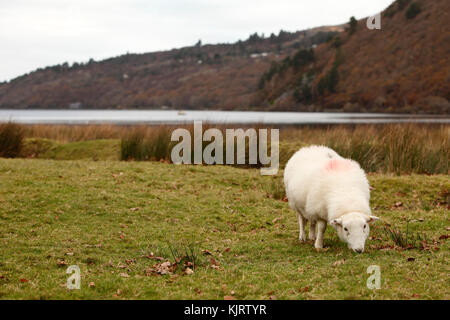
(38, 33)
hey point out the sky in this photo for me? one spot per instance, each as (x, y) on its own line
(40, 33)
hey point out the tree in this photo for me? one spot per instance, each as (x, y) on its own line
(337, 42)
(353, 24)
(254, 38)
(413, 10)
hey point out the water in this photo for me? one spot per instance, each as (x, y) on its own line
(216, 117)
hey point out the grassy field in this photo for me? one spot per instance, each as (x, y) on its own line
(121, 221)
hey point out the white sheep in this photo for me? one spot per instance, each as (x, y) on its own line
(322, 187)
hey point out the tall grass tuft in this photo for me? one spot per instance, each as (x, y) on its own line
(406, 239)
(146, 143)
(132, 146)
(11, 139)
(184, 255)
(275, 188)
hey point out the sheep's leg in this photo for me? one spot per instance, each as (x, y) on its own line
(302, 225)
(321, 226)
(312, 230)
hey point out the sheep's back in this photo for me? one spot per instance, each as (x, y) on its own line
(303, 173)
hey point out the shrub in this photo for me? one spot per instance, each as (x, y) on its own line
(413, 10)
(146, 144)
(132, 147)
(11, 139)
(158, 145)
(337, 42)
(353, 24)
(329, 81)
(302, 58)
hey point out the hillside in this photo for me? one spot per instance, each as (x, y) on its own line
(202, 76)
(404, 67)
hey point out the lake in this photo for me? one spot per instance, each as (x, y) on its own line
(216, 117)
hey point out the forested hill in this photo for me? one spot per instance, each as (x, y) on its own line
(221, 76)
(404, 67)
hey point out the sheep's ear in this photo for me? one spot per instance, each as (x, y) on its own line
(371, 219)
(336, 222)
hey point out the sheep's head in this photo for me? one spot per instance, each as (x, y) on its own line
(353, 228)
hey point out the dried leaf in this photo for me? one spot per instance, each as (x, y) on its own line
(339, 262)
(198, 291)
(61, 263)
(213, 262)
(276, 220)
(161, 268)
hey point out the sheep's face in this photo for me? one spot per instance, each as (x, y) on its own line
(353, 228)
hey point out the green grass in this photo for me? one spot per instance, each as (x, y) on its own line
(104, 149)
(107, 217)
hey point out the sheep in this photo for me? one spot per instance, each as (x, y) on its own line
(323, 187)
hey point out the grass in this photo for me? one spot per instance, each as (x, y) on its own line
(11, 139)
(121, 221)
(405, 239)
(399, 149)
(105, 149)
(143, 143)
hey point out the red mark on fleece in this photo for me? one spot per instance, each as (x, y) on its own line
(339, 165)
